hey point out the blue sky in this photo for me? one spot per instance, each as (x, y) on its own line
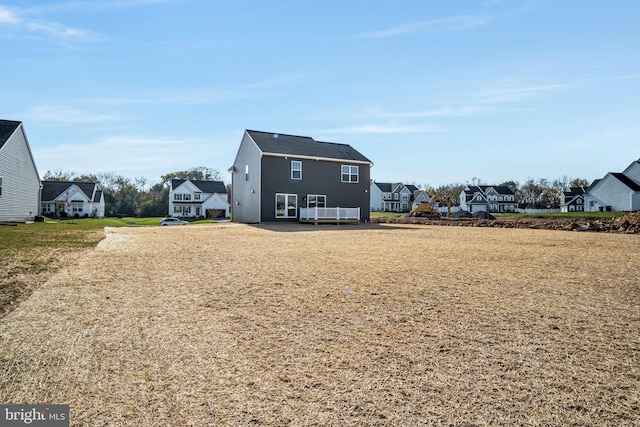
(433, 92)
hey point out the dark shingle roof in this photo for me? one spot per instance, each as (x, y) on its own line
(574, 191)
(384, 186)
(501, 189)
(52, 189)
(627, 181)
(277, 143)
(205, 186)
(7, 128)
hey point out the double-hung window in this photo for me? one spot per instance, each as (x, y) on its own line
(296, 169)
(349, 173)
(286, 205)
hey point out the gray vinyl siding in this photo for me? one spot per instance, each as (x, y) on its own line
(245, 194)
(20, 197)
(318, 177)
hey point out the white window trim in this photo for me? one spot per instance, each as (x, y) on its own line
(309, 196)
(286, 209)
(298, 169)
(350, 173)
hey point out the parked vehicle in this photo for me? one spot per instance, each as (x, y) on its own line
(172, 221)
(428, 209)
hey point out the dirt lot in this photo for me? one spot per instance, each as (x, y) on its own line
(402, 325)
(629, 223)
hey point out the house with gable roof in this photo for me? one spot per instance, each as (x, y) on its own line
(572, 200)
(278, 177)
(395, 197)
(19, 180)
(616, 191)
(190, 198)
(71, 198)
(487, 198)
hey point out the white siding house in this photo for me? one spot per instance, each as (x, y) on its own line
(616, 191)
(73, 199)
(198, 199)
(19, 181)
(394, 197)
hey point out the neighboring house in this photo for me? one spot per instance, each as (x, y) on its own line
(193, 198)
(71, 198)
(277, 177)
(395, 197)
(19, 180)
(487, 198)
(616, 191)
(572, 200)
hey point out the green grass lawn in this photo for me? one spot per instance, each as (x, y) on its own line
(387, 214)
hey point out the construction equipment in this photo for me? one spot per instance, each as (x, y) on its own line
(428, 210)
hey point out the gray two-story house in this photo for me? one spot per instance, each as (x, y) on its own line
(278, 177)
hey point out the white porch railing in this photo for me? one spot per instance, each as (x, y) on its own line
(330, 213)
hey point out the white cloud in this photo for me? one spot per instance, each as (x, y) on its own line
(382, 129)
(460, 111)
(454, 23)
(8, 16)
(60, 115)
(514, 92)
(95, 6)
(131, 155)
(18, 25)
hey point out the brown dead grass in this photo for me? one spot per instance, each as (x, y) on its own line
(349, 325)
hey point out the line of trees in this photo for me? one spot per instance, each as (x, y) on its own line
(135, 197)
(534, 193)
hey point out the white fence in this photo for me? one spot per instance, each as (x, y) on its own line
(330, 213)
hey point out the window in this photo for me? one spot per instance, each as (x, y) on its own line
(196, 196)
(76, 207)
(182, 210)
(246, 172)
(296, 169)
(177, 196)
(286, 206)
(349, 173)
(186, 197)
(316, 201)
